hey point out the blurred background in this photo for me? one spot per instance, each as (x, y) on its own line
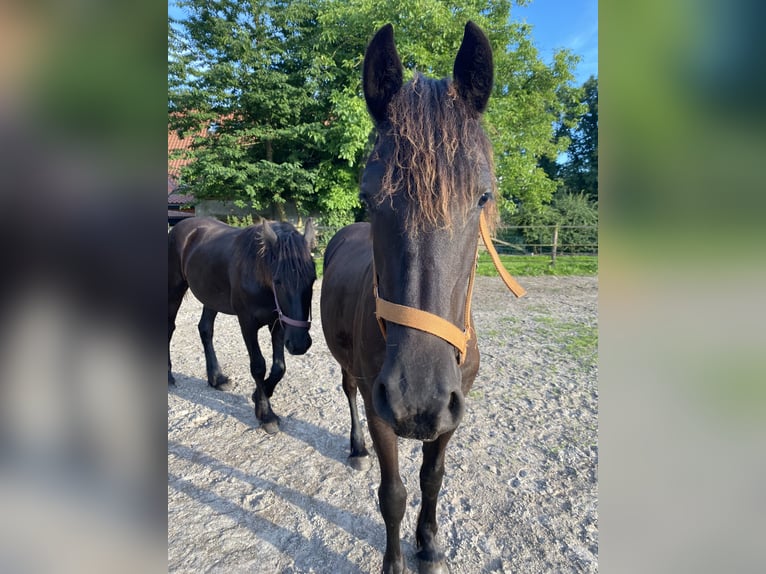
(82, 398)
(682, 339)
(682, 275)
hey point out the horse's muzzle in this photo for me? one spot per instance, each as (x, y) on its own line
(413, 414)
(298, 341)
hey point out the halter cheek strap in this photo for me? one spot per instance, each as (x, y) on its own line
(284, 319)
(433, 324)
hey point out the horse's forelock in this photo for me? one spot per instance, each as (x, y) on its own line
(439, 152)
(289, 257)
(294, 258)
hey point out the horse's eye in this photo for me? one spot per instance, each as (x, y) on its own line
(486, 196)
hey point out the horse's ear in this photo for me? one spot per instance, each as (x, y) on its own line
(268, 235)
(309, 234)
(473, 69)
(382, 73)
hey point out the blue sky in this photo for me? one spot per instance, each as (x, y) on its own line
(570, 24)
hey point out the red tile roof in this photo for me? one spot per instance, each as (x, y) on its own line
(176, 144)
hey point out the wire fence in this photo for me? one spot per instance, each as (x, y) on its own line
(551, 240)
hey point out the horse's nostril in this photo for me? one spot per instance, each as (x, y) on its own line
(382, 394)
(455, 406)
(454, 401)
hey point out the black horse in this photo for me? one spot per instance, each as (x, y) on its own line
(263, 274)
(427, 184)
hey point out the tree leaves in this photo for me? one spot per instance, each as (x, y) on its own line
(281, 80)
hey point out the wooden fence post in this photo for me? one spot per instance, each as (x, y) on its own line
(555, 245)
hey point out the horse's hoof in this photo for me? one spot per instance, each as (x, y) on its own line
(271, 427)
(394, 567)
(221, 380)
(432, 567)
(433, 562)
(359, 462)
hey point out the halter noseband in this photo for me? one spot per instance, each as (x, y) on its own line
(433, 324)
(284, 319)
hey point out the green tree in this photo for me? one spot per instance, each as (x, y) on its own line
(571, 109)
(575, 203)
(525, 102)
(247, 82)
(281, 81)
(580, 172)
(577, 217)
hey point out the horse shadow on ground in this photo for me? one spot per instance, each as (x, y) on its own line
(265, 529)
(328, 444)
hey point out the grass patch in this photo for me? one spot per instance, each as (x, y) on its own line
(528, 265)
(580, 341)
(534, 265)
(584, 344)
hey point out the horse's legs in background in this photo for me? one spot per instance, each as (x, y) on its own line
(359, 458)
(177, 287)
(215, 377)
(392, 495)
(269, 421)
(278, 358)
(431, 475)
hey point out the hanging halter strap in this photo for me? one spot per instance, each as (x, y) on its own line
(433, 324)
(509, 281)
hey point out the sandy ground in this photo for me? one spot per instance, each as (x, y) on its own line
(520, 491)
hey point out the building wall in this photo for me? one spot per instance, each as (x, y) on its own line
(224, 209)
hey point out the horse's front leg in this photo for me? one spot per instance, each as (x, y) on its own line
(269, 421)
(215, 377)
(278, 358)
(430, 556)
(392, 495)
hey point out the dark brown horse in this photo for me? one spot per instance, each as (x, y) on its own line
(263, 274)
(426, 183)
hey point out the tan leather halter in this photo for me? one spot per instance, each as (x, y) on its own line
(433, 324)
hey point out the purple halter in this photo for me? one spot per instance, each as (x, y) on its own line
(285, 320)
